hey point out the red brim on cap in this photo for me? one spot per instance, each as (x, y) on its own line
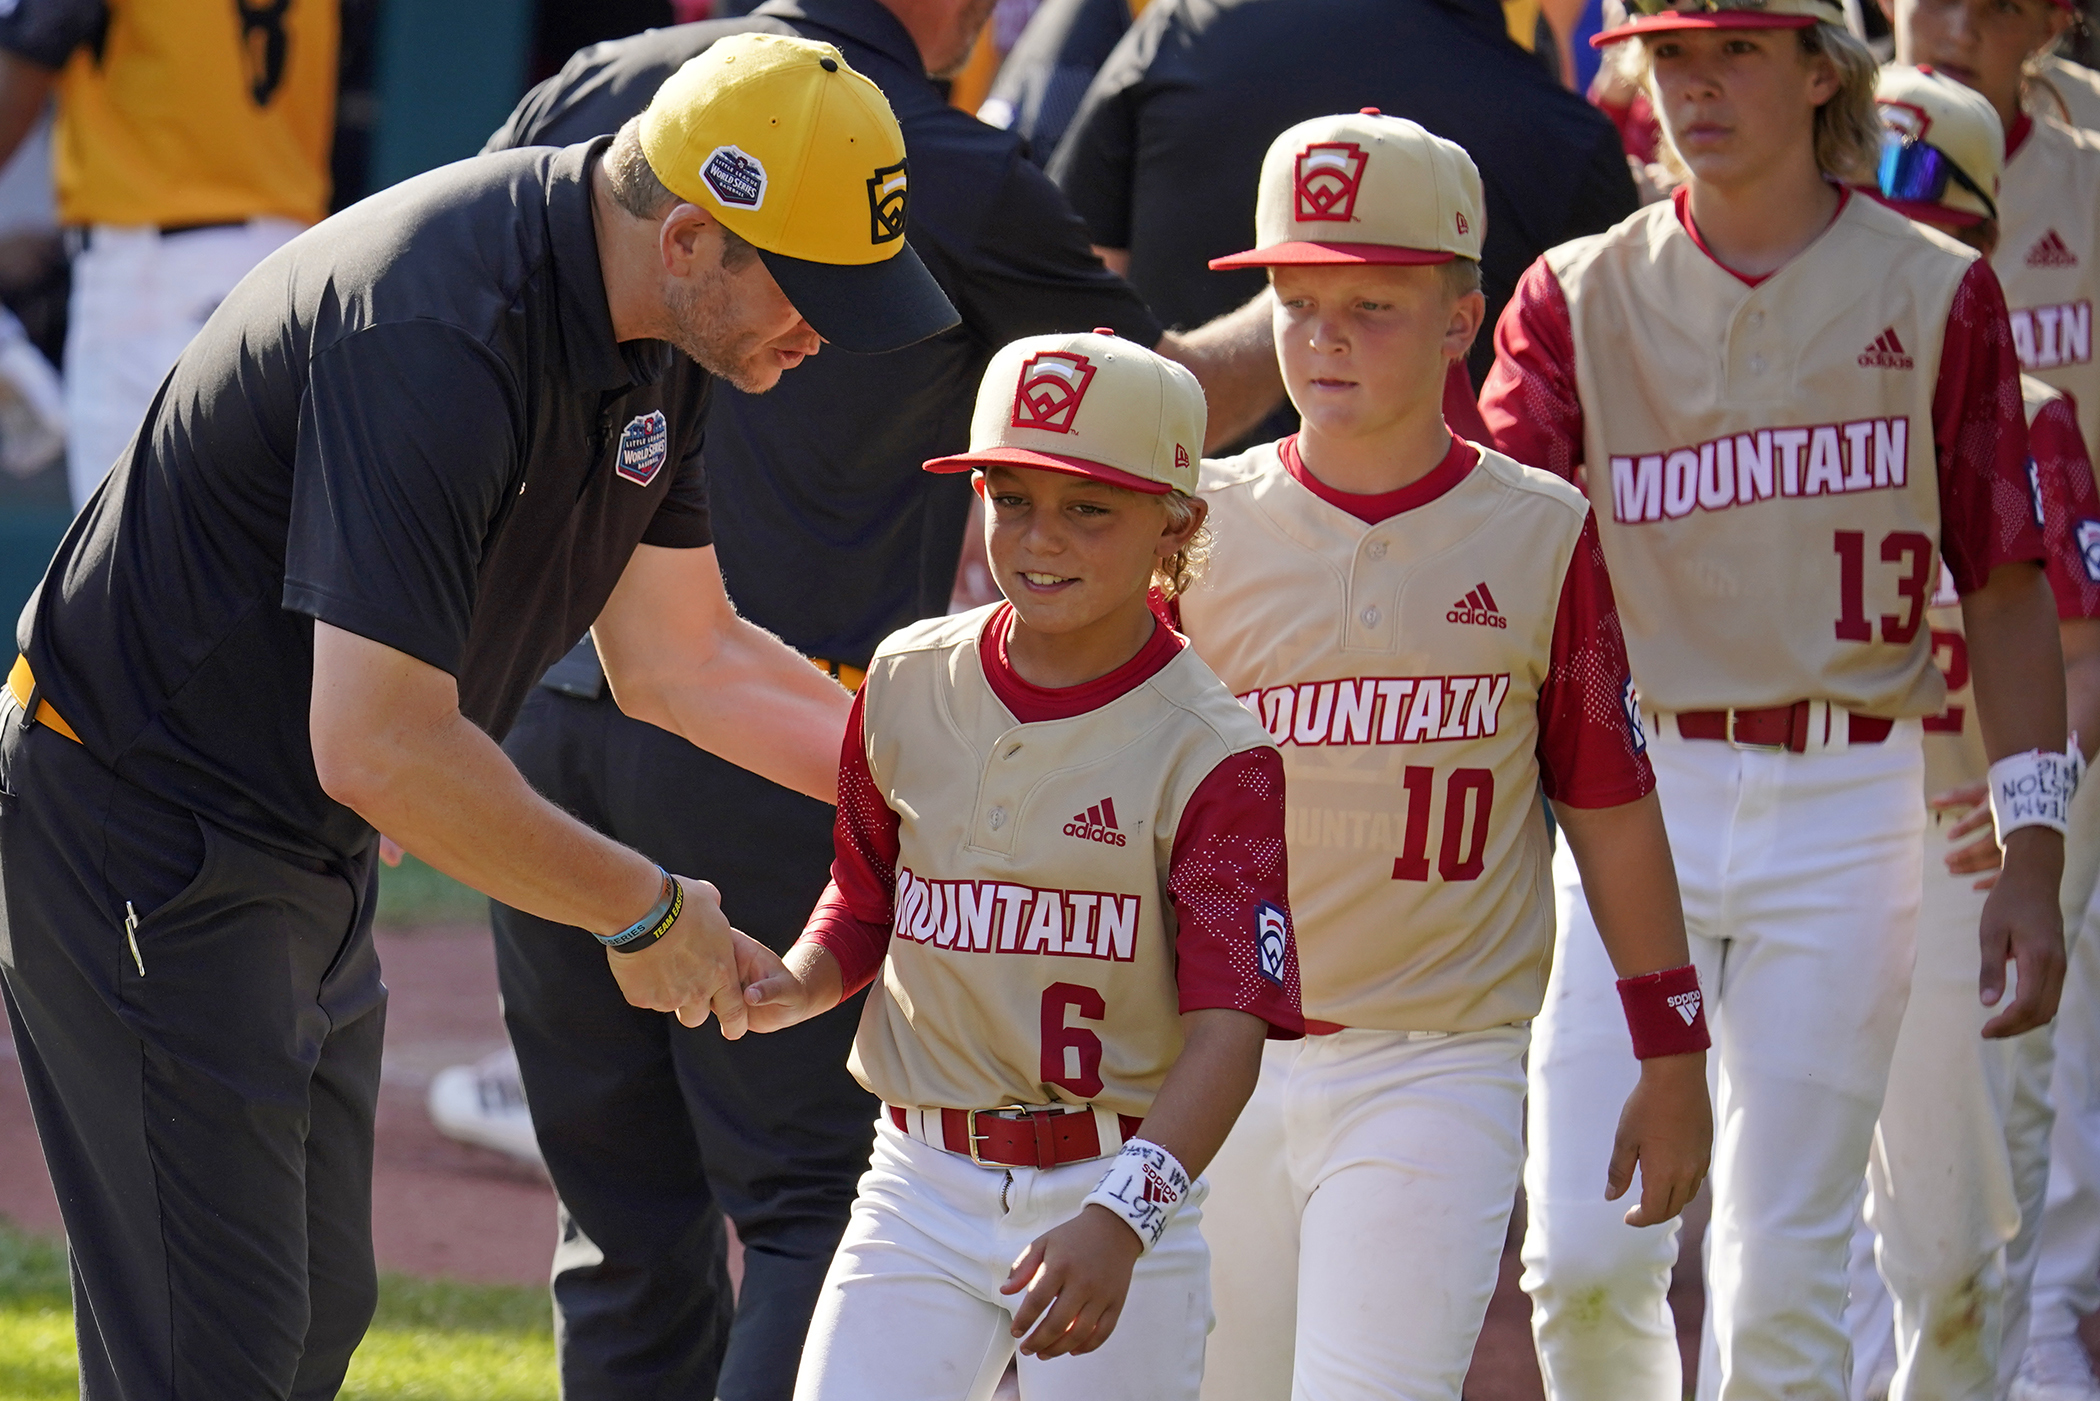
(1313, 255)
(1924, 211)
(1048, 462)
(1718, 19)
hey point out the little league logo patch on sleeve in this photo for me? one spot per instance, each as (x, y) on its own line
(1329, 173)
(1632, 704)
(886, 203)
(738, 180)
(1052, 384)
(644, 444)
(2089, 548)
(1270, 927)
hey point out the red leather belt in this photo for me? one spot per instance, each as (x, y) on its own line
(1037, 1138)
(1788, 727)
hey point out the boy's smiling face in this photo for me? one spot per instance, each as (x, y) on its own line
(1363, 346)
(1068, 551)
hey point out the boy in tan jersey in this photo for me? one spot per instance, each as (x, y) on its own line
(1060, 848)
(1961, 1148)
(1788, 404)
(2048, 255)
(1427, 632)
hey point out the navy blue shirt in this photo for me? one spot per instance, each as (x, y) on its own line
(1164, 155)
(829, 534)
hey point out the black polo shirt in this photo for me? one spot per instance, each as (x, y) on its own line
(413, 423)
(1165, 153)
(1039, 87)
(828, 532)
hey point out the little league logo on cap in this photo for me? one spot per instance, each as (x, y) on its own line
(1090, 405)
(1052, 384)
(1328, 174)
(791, 150)
(1363, 188)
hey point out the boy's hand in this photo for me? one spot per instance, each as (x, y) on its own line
(1084, 1265)
(777, 992)
(1667, 1128)
(1970, 804)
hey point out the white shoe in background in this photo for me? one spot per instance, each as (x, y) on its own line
(484, 1104)
(2055, 1370)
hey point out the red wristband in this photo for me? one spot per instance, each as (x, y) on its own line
(1665, 1012)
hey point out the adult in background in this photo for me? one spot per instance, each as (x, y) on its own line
(192, 141)
(1162, 160)
(404, 466)
(1045, 77)
(833, 537)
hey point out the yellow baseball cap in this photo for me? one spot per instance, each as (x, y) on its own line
(801, 157)
(1663, 16)
(1363, 188)
(1943, 156)
(1091, 405)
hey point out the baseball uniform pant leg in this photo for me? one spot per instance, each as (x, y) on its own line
(2067, 1256)
(652, 1131)
(1600, 1309)
(1805, 943)
(911, 1309)
(208, 1124)
(1251, 1221)
(1941, 1192)
(138, 298)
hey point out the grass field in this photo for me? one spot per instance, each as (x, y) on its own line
(432, 1340)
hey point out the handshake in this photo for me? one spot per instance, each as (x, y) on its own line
(703, 965)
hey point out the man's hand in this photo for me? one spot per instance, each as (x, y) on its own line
(1667, 1128)
(779, 992)
(2022, 922)
(692, 969)
(1084, 1266)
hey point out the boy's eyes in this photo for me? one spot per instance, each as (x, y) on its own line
(1008, 501)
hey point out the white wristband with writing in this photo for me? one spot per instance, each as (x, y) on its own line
(2034, 789)
(1144, 1185)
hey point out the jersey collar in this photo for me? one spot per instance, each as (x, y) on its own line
(1033, 705)
(2022, 128)
(595, 359)
(1458, 461)
(866, 22)
(1681, 201)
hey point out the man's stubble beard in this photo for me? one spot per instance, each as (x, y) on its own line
(706, 334)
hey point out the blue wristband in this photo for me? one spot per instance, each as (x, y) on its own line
(653, 925)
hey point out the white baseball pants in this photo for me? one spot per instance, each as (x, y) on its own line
(911, 1309)
(2067, 1257)
(1946, 1251)
(139, 297)
(1357, 1215)
(1800, 877)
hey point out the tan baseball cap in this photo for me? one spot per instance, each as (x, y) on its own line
(801, 157)
(1092, 405)
(1956, 124)
(1363, 188)
(1663, 16)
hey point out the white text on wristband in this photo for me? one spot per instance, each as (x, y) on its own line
(652, 926)
(2034, 789)
(1145, 1185)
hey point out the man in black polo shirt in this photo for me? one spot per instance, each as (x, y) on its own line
(405, 465)
(832, 536)
(1163, 157)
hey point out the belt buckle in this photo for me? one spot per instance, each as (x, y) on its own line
(1728, 733)
(970, 1127)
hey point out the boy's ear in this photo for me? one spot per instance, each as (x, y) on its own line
(1172, 540)
(1467, 314)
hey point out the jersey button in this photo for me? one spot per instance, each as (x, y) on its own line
(997, 819)
(1757, 318)
(1377, 550)
(1370, 616)
(1757, 364)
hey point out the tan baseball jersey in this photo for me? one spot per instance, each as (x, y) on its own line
(2068, 507)
(1423, 660)
(1044, 879)
(2073, 95)
(1774, 461)
(2048, 257)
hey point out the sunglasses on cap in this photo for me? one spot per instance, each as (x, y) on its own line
(1915, 172)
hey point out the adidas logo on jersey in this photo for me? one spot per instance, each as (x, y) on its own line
(2050, 251)
(1097, 824)
(2045, 337)
(1686, 1005)
(1886, 353)
(1478, 608)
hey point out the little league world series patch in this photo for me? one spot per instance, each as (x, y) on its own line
(644, 445)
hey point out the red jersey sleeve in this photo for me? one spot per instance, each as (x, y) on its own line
(2063, 484)
(1529, 401)
(1462, 406)
(1591, 751)
(1229, 881)
(853, 916)
(1979, 432)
